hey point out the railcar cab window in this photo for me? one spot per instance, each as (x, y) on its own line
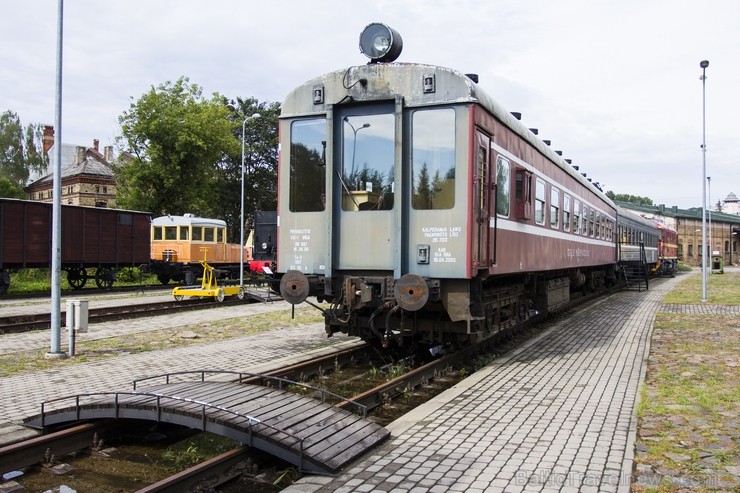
(307, 165)
(554, 208)
(170, 232)
(433, 159)
(197, 233)
(539, 202)
(368, 157)
(502, 186)
(184, 230)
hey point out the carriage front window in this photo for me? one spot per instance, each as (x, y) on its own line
(368, 157)
(433, 159)
(170, 232)
(307, 165)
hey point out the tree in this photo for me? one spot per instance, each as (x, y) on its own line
(12, 165)
(634, 199)
(19, 158)
(173, 143)
(260, 163)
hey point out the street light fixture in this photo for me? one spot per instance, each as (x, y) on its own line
(704, 64)
(354, 142)
(244, 133)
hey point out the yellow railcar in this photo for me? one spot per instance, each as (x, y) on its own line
(180, 243)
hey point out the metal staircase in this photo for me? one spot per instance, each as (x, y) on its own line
(635, 270)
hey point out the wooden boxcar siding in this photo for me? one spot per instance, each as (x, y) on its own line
(90, 236)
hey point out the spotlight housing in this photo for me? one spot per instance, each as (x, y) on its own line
(380, 43)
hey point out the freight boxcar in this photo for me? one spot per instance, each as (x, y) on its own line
(91, 237)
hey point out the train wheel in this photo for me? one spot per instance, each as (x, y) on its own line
(189, 277)
(77, 277)
(104, 277)
(163, 278)
(241, 293)
(178, 297)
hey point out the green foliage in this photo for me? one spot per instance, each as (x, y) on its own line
(633, 199)
(11, 189)
(19, 156)
(174, 140)
(181, 153)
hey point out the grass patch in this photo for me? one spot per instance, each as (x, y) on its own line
(688, 414)
(139, 342)
(722, 289)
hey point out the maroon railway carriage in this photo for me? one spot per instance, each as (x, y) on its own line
(423, 211)
(91, 237)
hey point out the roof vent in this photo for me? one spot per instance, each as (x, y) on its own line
(516, 115)
(473, 77)
(534, 131)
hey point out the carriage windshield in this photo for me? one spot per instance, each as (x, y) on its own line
(368, 148)
(307, 166)
(433, 159)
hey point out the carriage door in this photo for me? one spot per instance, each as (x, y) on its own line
(365, 188)
(481, 201)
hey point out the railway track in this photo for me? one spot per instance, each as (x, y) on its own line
(225, 466)
(25, 323)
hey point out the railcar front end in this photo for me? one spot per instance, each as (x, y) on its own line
(421, 211)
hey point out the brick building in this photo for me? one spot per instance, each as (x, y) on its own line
(723, 231)
(87, 177)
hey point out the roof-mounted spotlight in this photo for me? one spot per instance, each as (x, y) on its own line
(380, 43)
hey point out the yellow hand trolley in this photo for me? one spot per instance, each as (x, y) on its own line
(209, 287)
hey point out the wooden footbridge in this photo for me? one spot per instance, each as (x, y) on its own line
(310, 433)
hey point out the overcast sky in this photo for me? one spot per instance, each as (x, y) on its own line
(614, 84)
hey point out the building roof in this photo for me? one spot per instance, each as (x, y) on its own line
(693, 213)
(731, 197)
(78, 160)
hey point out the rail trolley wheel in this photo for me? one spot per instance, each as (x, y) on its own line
(179, 297)
(241, 294)
(104, 277)
(219, 295)
(77, 277)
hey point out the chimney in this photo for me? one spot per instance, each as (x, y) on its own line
(47, 139)
(108, 153)
(80, 154)
(96, 145)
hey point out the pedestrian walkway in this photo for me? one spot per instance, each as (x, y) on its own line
(21, 395)
(555, 415)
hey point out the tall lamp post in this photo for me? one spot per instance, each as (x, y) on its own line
(354, 142)
(241, 249)
(709, 215)
(704, 64)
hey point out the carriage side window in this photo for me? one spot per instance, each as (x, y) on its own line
(197, 233)
(502, 187)
(170, 232)
(156, 233)
(433, 159)
(554, 208)
(566, 212)
(597, 225)
(208, 234)
(539, 202)
(307, 165)
(523, 194)
(576, 217)
(591, 223)
(584, 221)
(184, 230)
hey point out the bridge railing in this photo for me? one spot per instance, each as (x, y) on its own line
(240, 377)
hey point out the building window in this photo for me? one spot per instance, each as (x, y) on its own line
(691, 250)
